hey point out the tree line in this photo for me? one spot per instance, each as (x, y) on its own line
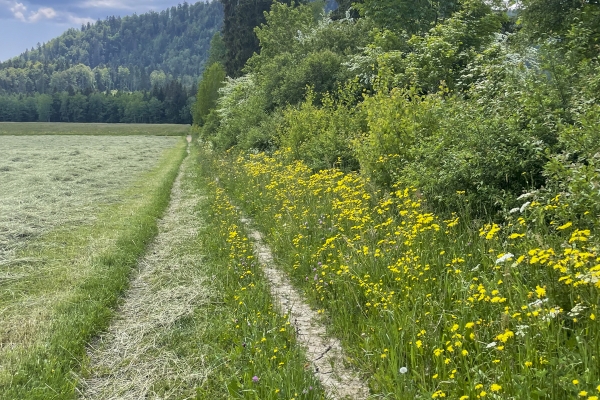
(169, 104)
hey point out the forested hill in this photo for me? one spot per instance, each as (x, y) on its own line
(131, 53)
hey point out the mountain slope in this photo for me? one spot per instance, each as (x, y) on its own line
(130, 53)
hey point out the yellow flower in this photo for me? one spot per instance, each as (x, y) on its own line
(483, 393)
(540, 291)
(495, 387)
(464, 397)
(565, 226)
(528, 363)
(593, 398)
(469, 325)
(583, 393)
(575, 382)
(419, 344)
(464, 352)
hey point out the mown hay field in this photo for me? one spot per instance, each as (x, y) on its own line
(50, 181)
(73, 128)
(76, 212)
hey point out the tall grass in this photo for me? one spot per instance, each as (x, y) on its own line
(253, 352)
(80, 275)
(431, 308)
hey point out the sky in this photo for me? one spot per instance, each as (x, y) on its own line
(24, 23)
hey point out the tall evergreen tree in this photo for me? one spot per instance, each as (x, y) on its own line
(240, 19)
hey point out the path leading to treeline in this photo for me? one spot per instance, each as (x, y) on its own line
(138, 357)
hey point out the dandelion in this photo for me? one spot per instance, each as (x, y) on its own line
(583, 393)
(403, 370)
(575, 382)
(565, 226)
(540, 291)
(495, 387)
(528, 364)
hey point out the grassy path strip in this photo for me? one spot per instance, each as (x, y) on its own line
(135, 359)
(325, 353)
(70, 297)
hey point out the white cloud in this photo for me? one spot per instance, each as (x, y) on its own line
(19, 10)
(79, 20)
(44, 12)
(114, 4)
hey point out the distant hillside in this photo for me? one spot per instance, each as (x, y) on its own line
(130, 53)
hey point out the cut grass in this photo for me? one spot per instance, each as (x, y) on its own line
(51, 311)
(50, 181)
(74, 128)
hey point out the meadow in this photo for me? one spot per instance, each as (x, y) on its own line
(431, 307)
(77, 212)
(74, 128)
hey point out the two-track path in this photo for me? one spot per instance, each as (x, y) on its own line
(133, 357)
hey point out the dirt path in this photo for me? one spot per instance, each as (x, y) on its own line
(135, 358)
(324, 352)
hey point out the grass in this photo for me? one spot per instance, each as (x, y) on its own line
(63, 285)
(430, 308)
(49, 181)
(73, 128)
(251, 350)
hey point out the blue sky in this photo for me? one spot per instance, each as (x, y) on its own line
(24, 23)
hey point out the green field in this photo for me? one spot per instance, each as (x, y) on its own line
(76, 212)
(73, 128)
(116, 255)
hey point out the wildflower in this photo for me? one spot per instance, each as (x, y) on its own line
(464, 397)
(504, 257)
(528, 364)
(540, 291)
(483, 393)
(464, 352)
(255, 378)
(565, 226)
(403, 370)
(575, 382)
(490, 345)
(495, 387)
(469, 325)
(583, 393)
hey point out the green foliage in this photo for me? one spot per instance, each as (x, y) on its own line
(217, 50)
(321, 135)
(412, 17)
(208, 92)
(241, 17)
